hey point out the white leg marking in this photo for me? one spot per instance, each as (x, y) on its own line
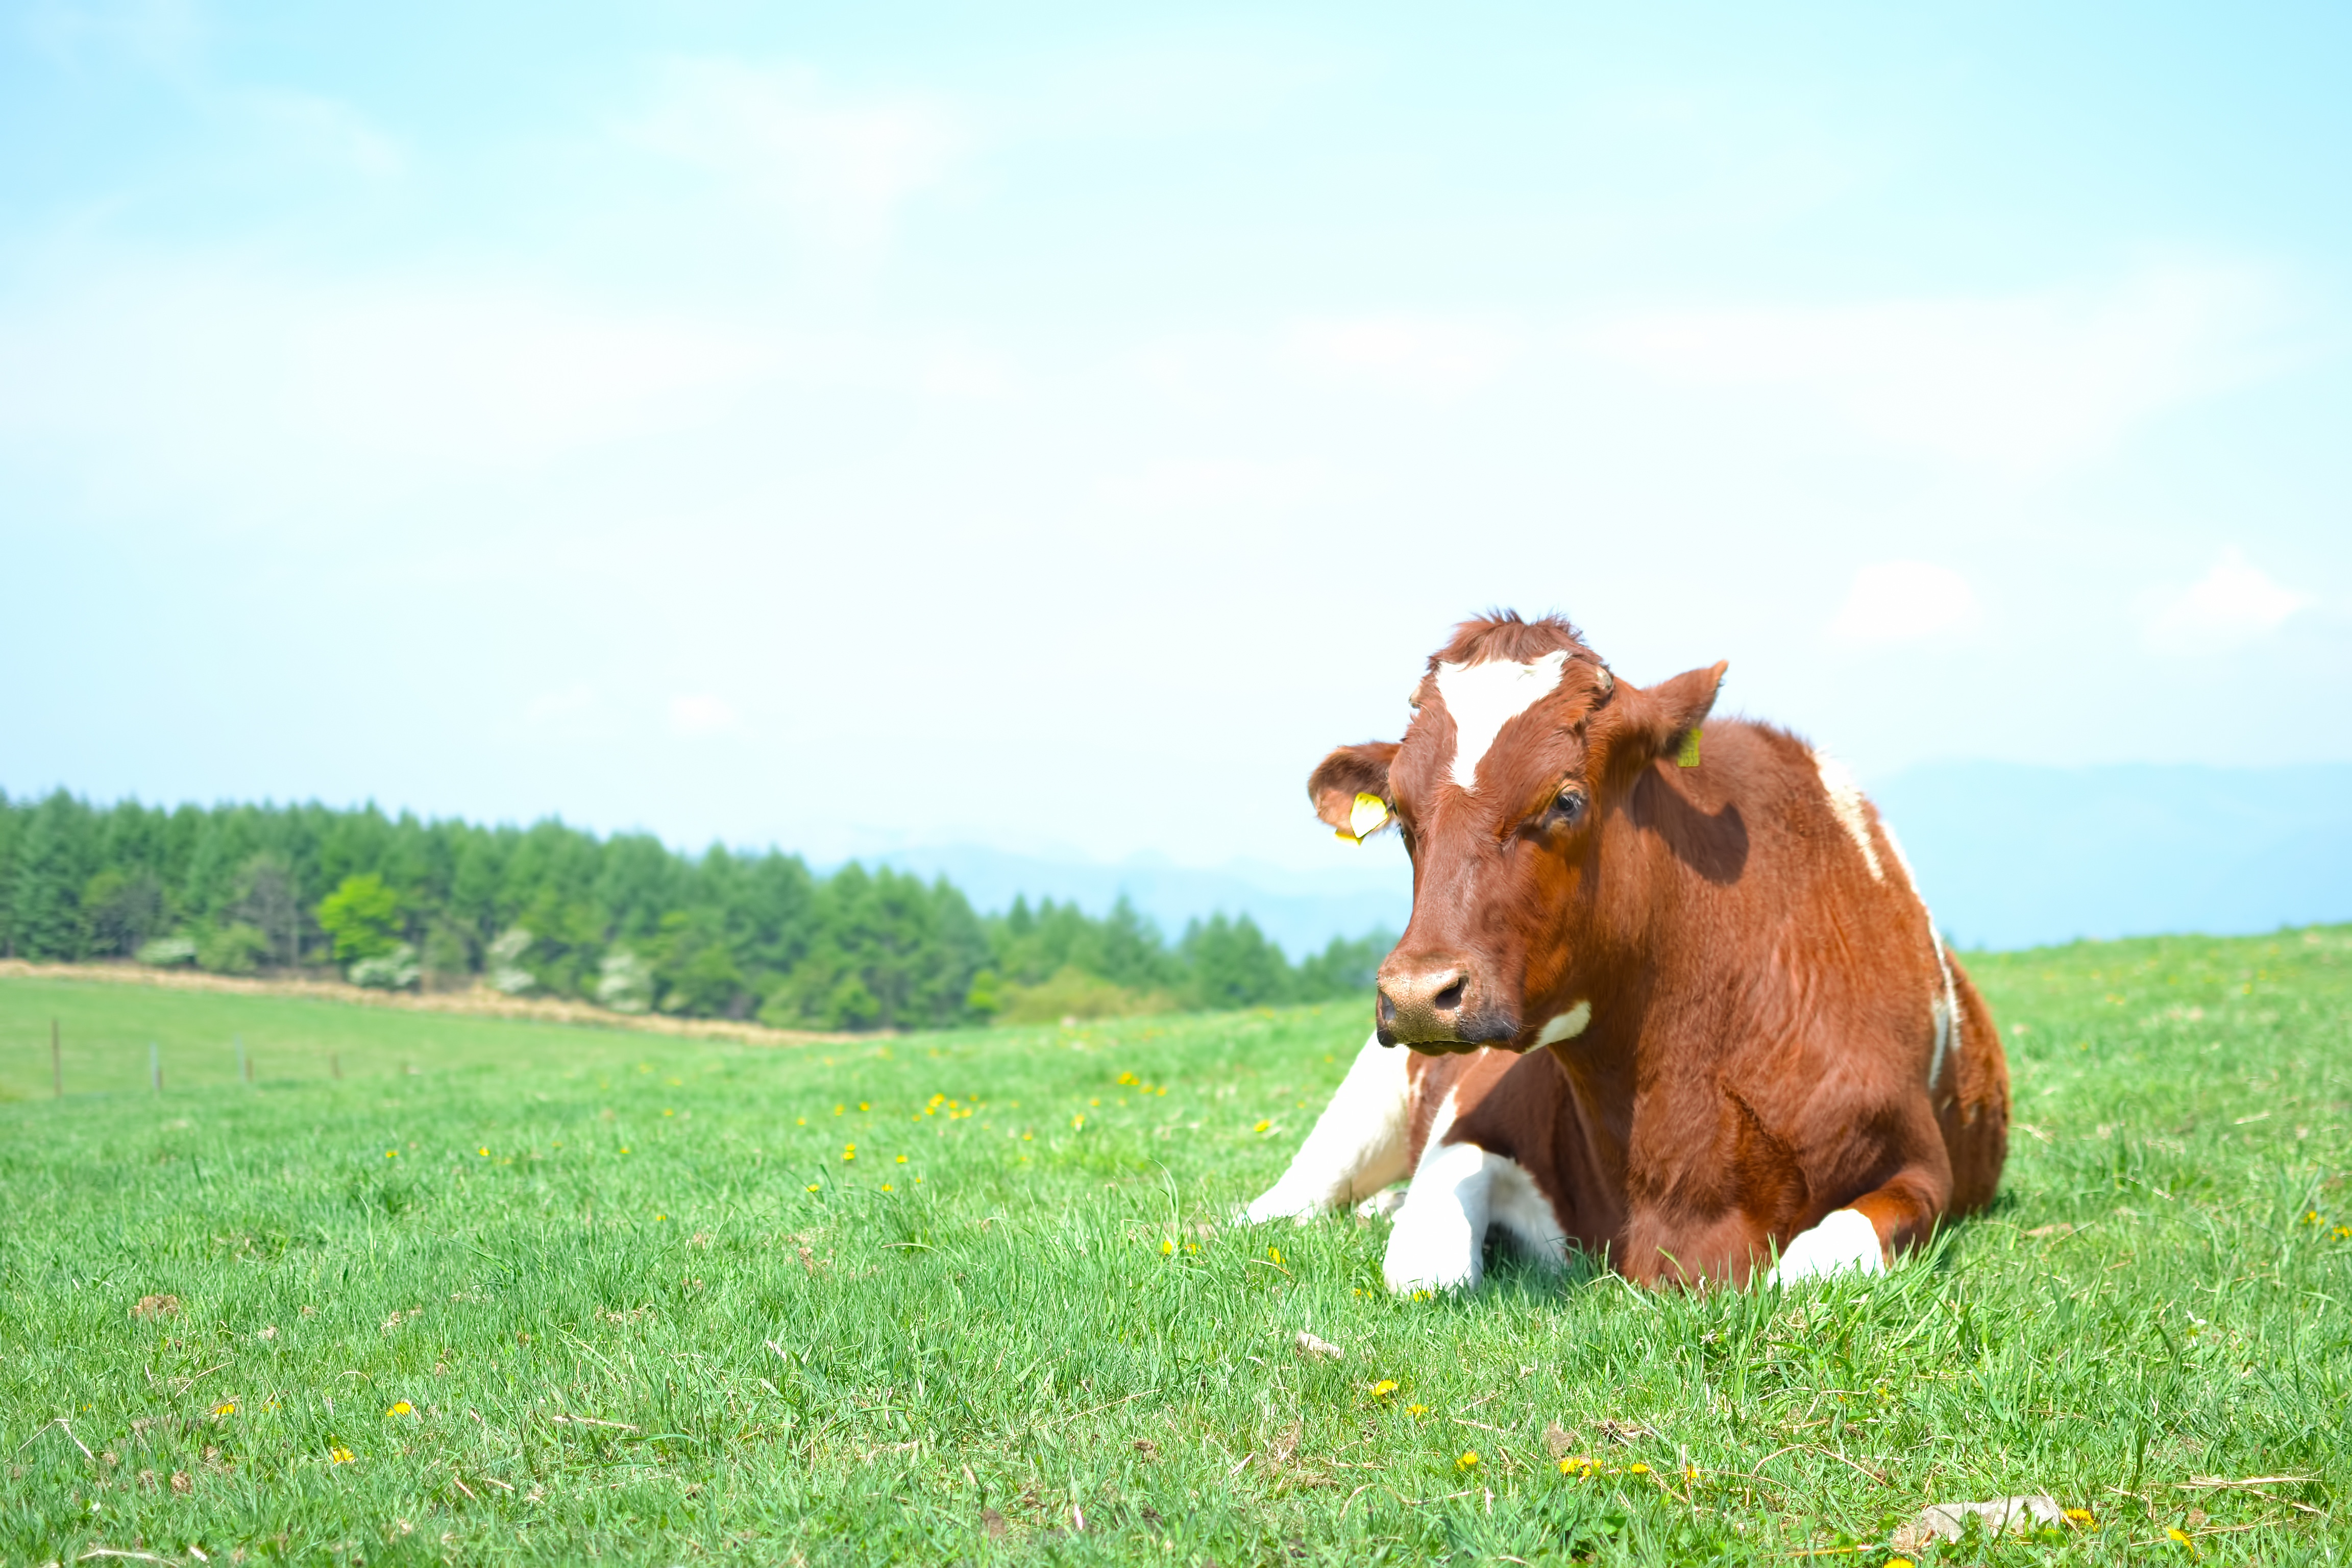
(1846, 805)
(1566, 1027)
(1382, 1205)
(1357, 1146)
(1517, 1205)
(1483, 698)
(1844, 1239)
(1442, 1224)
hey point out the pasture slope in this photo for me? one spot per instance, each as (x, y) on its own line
(564, 1294)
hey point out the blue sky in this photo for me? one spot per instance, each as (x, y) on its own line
(1053, 429)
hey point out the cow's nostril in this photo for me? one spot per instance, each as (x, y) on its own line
(1388, 1008)
(1449, 998)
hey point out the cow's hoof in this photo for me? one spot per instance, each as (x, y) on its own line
(1419, 1262)
(1279, 1205)
(1844, 1240)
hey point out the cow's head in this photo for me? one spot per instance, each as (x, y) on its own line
(1521, 750)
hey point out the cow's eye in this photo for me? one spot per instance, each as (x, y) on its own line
(1568, 807)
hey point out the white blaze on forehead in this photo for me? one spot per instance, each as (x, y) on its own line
(1483, 698)
(1845, 805)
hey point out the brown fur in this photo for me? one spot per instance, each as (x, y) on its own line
(1761, 1031)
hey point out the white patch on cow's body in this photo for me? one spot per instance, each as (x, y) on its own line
(1358, 1143)
(1519, 1206)
(1945, 1006)
(1847, 805)
(1567, 1026)
(1844, 1239)
(1457, 1191)
(1483, 698)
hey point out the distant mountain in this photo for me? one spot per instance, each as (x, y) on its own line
(1301, 911)
(2011, 855)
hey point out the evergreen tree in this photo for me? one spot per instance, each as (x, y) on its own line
(550, 910)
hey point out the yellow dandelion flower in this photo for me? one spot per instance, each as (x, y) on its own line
(2311, 1216)
(401, 1408)
(1262, 1126)
(625, 1151)
(483, 1153)
(889, 1188)
(391, 1154)
(667, 1111)
(1578, 1465)
(225, 1407)
(863, 1105)
(1690, 1472)
(801, 1123)
(2180, 1535)
(1416, 1410)
(339, 1454)
(1127, 1078)
(1275, 1253)
(902, 1159)
(2342, 1231)
(1468, 1461)
(659, 1217)
(2081, 1518)
(1898, 1562)
(1637, 1470)
(1167, 1247)
(811, 1187)
(1077, 1121)
(1383, 1388)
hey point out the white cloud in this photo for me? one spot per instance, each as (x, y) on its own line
(2026, 381)
(1220, 486)
(327, 131)
(1905, 601)
(1431, 357)
(210, 375)
(841, 166)
(700, 713)
(2235, 602)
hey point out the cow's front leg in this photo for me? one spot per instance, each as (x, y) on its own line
(1357, 1146)
(1441, 1231)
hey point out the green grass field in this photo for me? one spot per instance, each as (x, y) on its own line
(572, 1294)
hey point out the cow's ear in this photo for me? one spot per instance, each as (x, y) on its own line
(1659, 720)
(1349, 772)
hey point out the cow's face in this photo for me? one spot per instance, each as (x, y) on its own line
(1521, 751)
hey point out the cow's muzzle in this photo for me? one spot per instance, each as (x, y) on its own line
(1438, 1006)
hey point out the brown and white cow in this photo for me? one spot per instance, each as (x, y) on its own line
(1669, 991)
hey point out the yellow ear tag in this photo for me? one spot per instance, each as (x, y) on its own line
(1366, 819)
(1688, 756)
